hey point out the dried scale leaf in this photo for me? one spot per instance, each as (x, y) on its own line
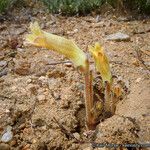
(117, 91)
(62, 45)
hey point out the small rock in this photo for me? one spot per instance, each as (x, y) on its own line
(43, 128)
(34, 141)
(14, 88)
(68, 64)
(122, 19)
(7, 111)
(99, 24)
(98, 18)
(29, 81)
(8, 135)
(79, 103)
(65, 104)
(4, 146)
(41, 97)
(147, 63)
(20, 50)
(43, 79)
(3, 63)
(19, 31)
(136, 63)
(3, 72)
(80, 87)
(138, 80)
(50, 23)
(56, 96)
(118, 37)
(22, 126)
(13, 142)
(75, 30)
(76, 135)
(26, 147)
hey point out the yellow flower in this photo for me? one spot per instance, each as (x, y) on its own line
(62, 45)
(102, 62)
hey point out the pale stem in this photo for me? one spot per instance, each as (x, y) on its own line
(107, 104)
(89, 103)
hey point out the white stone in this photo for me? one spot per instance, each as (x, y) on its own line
(7, 136)
(76, 135)
(41, 97)
(118, 37)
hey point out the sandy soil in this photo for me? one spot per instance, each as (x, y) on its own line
(44, 101)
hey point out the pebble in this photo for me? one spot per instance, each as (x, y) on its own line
(34, 141)
(20, 50)
(26, 147)
(80, 87)
(44, 128)
(43, 79)
(41, 97)
(138, 80)
(118, 37)
(136, 63)
(3, 63)
(50, 23)
(22, 126)
(122, 19)
(75, 30)
(13, 142)
(7, 111)
(76, 135)
(79, 103)
(68, 64)
(3, 72)
(8, 135)
(29, 81)
(56, 96)
(98, 18)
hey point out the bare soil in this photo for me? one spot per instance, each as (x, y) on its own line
(41, 95)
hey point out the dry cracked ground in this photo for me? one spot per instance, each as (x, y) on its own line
(41, 93)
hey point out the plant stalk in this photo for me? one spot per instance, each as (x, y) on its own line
(107, 104)
(89, 103)
(113, 100)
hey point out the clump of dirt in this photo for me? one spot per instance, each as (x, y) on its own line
(118, 130)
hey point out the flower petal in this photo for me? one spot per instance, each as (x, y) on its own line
(101, 61)
(53, 42)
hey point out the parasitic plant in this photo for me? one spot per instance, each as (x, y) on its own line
(69, 49)
(103, 67)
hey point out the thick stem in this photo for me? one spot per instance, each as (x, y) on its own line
(89, 103)
(107, 104)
